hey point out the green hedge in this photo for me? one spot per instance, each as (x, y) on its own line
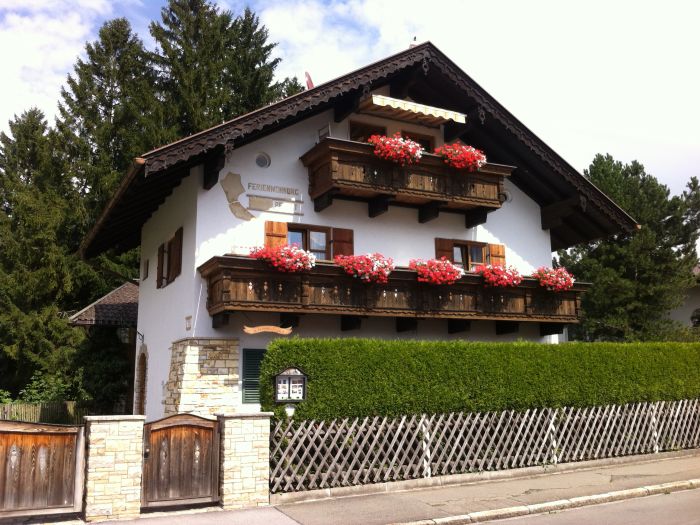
(361, 377)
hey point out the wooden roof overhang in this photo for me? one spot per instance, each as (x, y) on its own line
(573, 209)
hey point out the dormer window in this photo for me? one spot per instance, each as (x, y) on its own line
(360, 132)
(426, 141)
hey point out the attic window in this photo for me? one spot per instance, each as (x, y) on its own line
(360, 132)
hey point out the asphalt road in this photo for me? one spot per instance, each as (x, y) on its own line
(678, 508)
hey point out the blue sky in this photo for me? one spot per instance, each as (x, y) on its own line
(587, 77)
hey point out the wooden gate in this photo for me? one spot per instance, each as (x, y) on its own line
(41, 468)
(181, 461)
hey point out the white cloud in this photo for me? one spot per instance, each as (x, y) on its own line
(591, 77)
(587, 77)
(41, 40)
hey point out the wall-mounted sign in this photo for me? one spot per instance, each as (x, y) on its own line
(274, 198)
(290, 386)
(274, 205)
(267, 328)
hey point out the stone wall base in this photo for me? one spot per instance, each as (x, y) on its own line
(245, 460)
(114, 463)
(203, 377)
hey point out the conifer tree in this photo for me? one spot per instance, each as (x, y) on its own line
(212, 66)
(109, 113)
(637, 277)
(39, 274)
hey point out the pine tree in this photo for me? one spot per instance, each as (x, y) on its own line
(109, 113)
(637, 277)
(39, 274)
(213, 67)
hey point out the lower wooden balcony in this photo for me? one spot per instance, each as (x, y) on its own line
(237, 283)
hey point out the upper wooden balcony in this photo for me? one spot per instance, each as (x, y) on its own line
(350, 170)
(237, 283)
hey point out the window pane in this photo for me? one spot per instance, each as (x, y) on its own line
(476, 254)
(457, 255)
(361, 132)
(318, 240)
(296, 238)
(319, 255)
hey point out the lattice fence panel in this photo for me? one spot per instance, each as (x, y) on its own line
(309, 454)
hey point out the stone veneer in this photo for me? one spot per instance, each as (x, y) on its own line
(245, 460)
(203, 377)
(113, 467)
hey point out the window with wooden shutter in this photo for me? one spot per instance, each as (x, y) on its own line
(252, 358)
(466, 254)
(342, 242)
(175, 256)
(275, 234)
(497, 255)
(161, 262)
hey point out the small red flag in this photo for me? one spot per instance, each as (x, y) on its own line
(309, 82)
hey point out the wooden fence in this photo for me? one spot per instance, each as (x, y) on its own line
(63, 412)
(309, 454)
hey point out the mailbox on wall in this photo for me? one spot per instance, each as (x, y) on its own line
(290, 386)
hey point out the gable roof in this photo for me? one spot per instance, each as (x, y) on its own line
(118, 308)
(581, 211)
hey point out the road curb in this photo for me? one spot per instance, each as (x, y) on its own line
(563, 504)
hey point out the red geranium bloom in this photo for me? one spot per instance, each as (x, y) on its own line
(461, 157)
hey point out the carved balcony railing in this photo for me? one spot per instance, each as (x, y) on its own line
(350, 170)
(237, 283)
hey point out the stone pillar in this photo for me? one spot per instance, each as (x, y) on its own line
(245, 460)
(113, 467)
(203, 377)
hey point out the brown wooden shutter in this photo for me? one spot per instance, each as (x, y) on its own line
(161, 260)
(497, 255)
(275, 234)
(443, 248)
(343, 242)
(175, 256)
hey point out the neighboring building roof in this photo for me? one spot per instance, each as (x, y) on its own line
(577, 210)
(118, 308)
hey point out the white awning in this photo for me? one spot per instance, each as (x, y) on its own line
(406, 110)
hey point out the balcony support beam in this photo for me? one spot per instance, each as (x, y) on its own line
(455, 326)
(553, 215)
(378, 205)
(406, 324)
(453, 130)
(429, 211)
(288, 320)
(322, 202)
(347, 106)
(219, 320)
(475, 217)
(212, 166)
(350, 322)
(507, 327)
(551, 328)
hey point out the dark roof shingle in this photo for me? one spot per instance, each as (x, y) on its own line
(118, 308)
